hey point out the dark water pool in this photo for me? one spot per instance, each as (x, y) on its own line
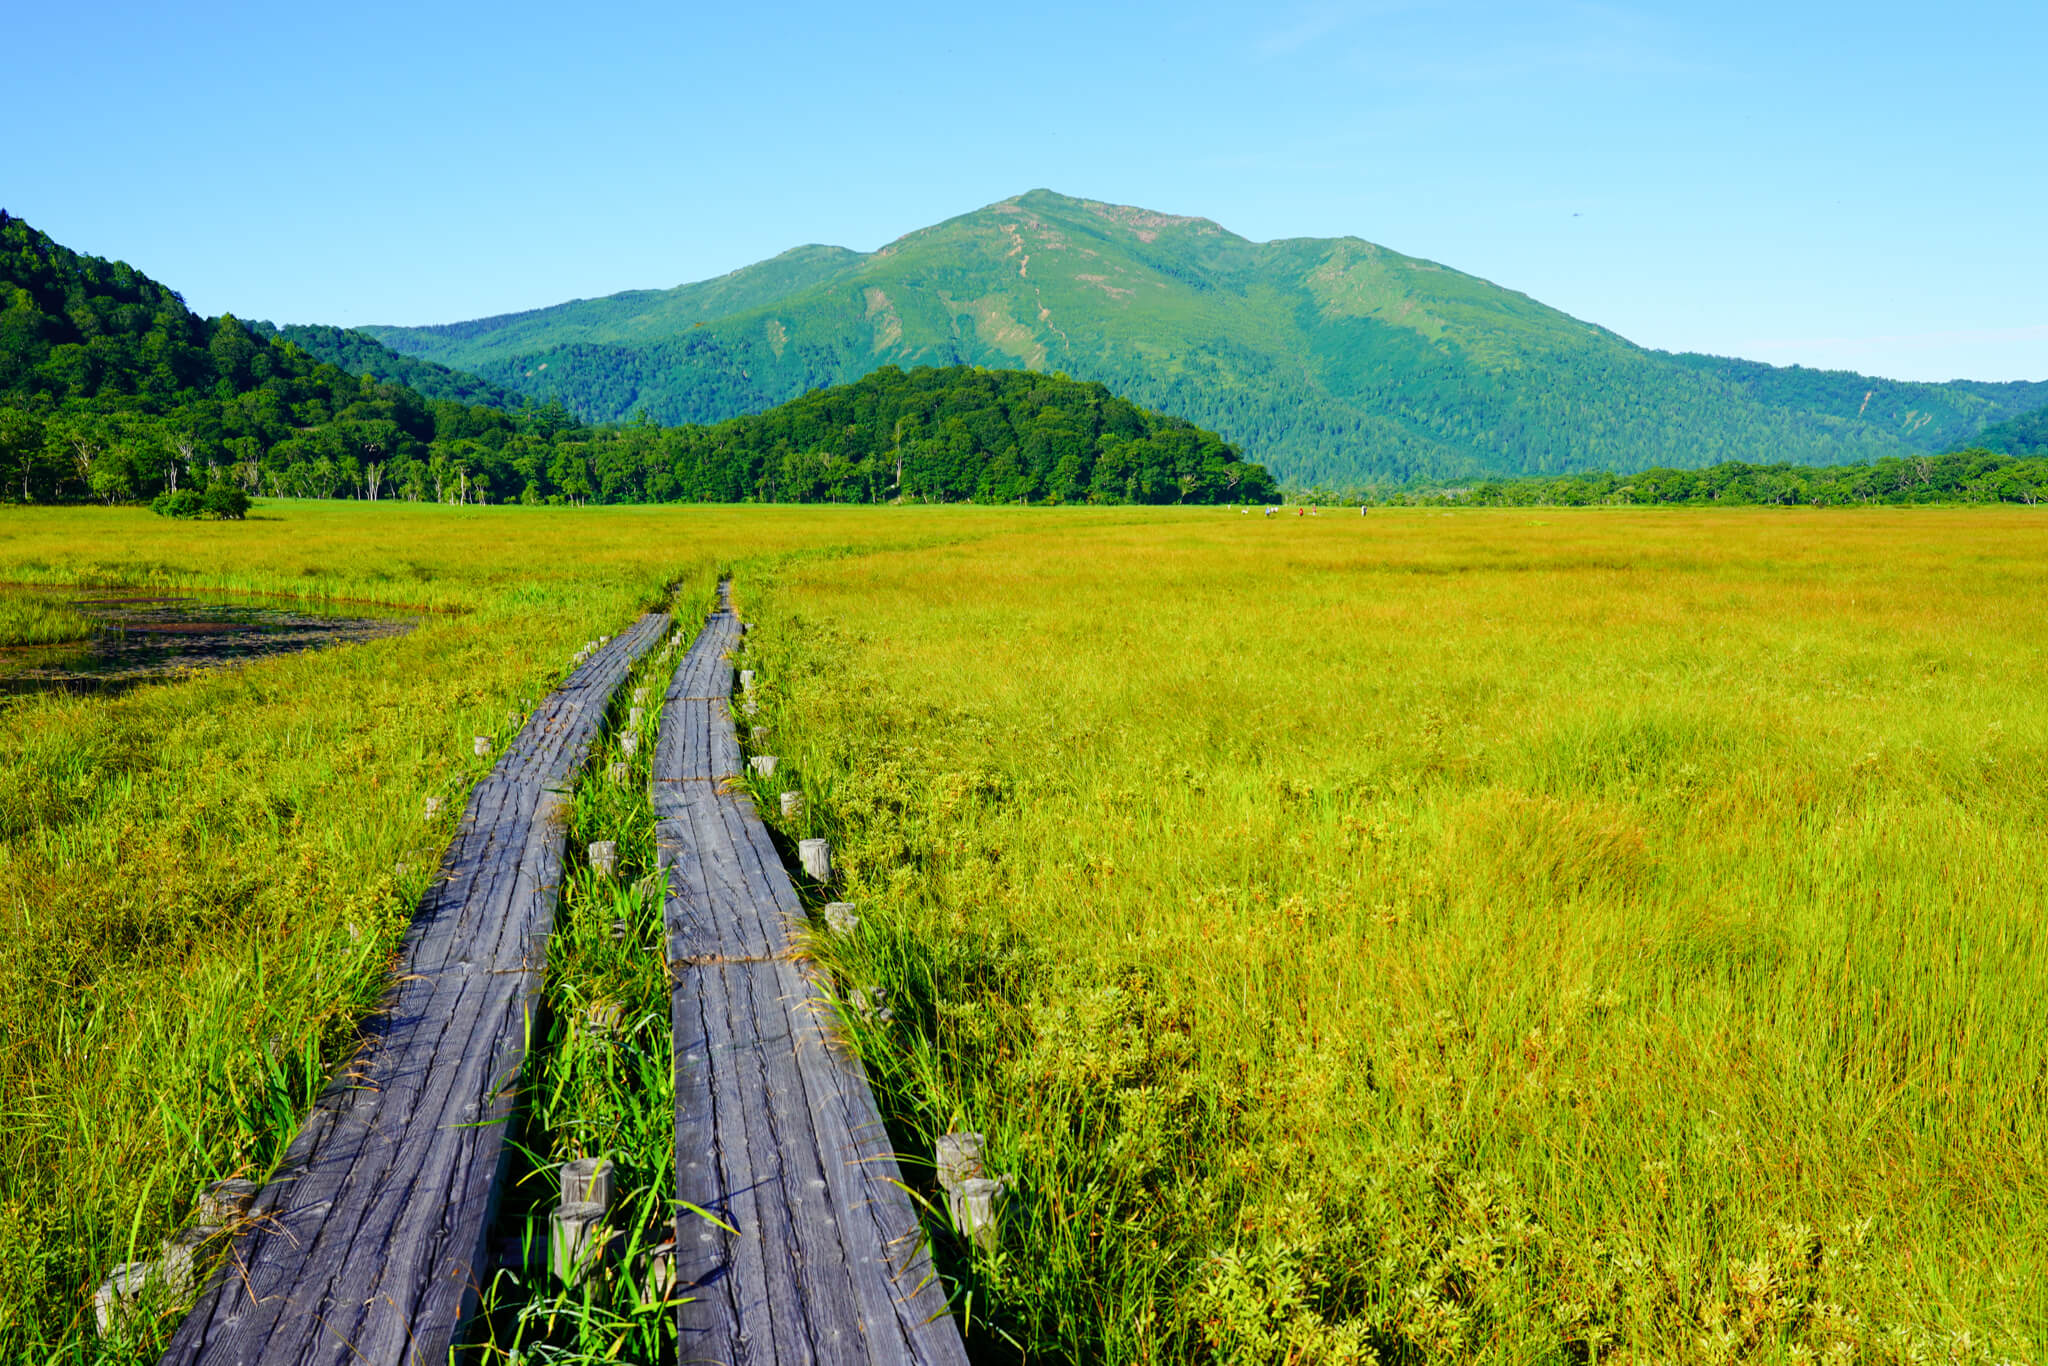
(139, 636)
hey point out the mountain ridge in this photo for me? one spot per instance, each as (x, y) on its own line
(1336, 360)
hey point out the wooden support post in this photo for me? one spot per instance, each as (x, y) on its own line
(792, 805)
(661, 1271)
(430, 808)
(629, 744)
(604, 857)
(224, 1203)
(750, 708)
(118, 1293)
(971, 1196)
(840, 917)
(746, 680)
(959, 1157)
(816, 857)
(588, 1181)
(760, 734)
(482, 744)
(575, 1241)
(634, 716)
(619, 772)
(763, 765)
(639, 697)
(975, 1206)
(180, 1257)
(602, 1021)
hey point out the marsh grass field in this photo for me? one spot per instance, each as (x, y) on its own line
(1502, 936)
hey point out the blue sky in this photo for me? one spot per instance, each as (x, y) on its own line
(1844, 185)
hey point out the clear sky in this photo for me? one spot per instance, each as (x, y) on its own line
(1852, 185)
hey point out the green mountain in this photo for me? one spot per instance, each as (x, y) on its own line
(111, 389)
(1334, 361)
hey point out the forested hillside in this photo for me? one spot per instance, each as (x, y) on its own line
(359, 353)
(2026, 434)
(1335, 361)
(111, 389)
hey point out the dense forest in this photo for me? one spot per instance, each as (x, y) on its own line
(1976, 475)
(359, 353)
(112, 390)
(2026, 434)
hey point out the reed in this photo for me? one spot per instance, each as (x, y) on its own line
(26, 619)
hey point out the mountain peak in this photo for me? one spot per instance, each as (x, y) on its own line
(1145, 224)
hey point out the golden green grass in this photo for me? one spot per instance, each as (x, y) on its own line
(26, 619)
(1591, 936)
(1458, 938)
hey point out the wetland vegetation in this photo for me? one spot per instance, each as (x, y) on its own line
(35, 620)
(1443, 936)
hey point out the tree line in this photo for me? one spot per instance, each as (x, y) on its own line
(112, 390)
(1976, 475)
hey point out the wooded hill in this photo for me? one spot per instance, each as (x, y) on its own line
(1335, 361)
(111, 389)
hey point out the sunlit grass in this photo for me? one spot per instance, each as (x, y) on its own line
(1459, 938)
(30, 620)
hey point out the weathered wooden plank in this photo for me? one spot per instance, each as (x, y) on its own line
(892, 1267)
(366, 1244)
(777, 1133)
(707, 1320)
(832, 1319)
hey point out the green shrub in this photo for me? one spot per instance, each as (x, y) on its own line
(179, 503)
(227, 503)
(223, 502)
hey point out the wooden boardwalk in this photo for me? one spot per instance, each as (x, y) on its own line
(366, 1247)
(777, 1133)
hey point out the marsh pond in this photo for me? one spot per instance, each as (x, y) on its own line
(111, 639)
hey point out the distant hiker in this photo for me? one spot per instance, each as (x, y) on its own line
(1361, 509)
(1271, 511)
